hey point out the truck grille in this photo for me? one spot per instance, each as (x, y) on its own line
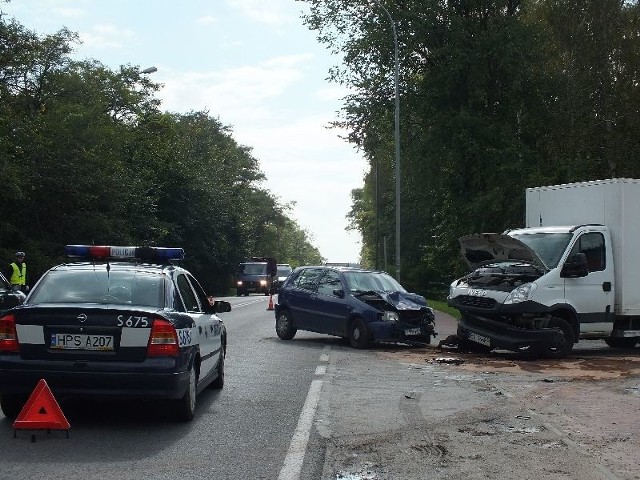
(479, 302)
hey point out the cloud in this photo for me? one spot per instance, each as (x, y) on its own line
(303, 160)
(69, 12)
(238, 92)
(271, 12)
(106, 36)
(206, 20)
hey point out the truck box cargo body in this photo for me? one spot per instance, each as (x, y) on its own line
(614, 203)
(572, 273)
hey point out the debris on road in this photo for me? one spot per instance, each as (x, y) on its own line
(449, 360)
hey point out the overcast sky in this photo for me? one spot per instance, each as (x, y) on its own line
(250, 63)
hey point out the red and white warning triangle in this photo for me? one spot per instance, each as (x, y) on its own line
(41, 411)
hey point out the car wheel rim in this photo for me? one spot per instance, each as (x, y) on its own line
(356, 333)
(283, 324)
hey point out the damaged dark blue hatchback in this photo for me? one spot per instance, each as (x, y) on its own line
(362, 305)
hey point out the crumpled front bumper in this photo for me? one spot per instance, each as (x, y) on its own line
(502, 336)
(397, 332)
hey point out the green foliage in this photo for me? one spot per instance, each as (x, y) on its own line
(496, 96)
(88, 158)
(443, 307)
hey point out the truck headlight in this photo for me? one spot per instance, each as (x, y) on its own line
(263, 283)
(521, 294)
(239, 283)
(388, 316)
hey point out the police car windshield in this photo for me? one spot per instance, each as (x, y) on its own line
(372, 281)
(125, 287)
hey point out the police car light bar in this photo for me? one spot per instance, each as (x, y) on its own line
(139, 253)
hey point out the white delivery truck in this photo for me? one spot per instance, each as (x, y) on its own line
(572, 273)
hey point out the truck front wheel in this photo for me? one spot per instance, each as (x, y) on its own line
(562, 345)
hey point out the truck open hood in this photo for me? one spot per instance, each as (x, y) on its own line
(483, 248)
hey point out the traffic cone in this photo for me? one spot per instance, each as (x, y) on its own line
(270, 307)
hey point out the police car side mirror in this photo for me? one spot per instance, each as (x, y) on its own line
(220, 306)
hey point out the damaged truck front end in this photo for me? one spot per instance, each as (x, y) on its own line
(497, 299)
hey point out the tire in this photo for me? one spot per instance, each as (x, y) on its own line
(359, 334)
(284, 325)
(185, 408)
(11, 405)
(565, 345)
(218, 383)
(619, 342)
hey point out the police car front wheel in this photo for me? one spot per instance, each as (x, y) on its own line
(218, 383)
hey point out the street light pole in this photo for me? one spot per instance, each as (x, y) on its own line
(397, 134)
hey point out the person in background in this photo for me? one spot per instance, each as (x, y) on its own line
(17, 273)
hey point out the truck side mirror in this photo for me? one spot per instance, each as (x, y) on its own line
(576, 266)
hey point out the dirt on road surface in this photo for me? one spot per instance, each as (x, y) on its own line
(454, 415)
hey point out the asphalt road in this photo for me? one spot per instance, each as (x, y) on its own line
(243, 431)
(314, 408)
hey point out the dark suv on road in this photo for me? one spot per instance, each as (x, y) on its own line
(364, 306)
(256, 275)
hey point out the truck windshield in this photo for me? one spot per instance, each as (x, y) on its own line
(548, 246)
(253, 269)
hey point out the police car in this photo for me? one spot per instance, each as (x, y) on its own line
(119, 322)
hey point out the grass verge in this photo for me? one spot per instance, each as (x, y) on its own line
(443, 307)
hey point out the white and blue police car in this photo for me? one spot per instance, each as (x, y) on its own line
(118, 322)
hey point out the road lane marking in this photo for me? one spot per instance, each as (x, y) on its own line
(295, 456)
(248, 302)
(297, 448)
